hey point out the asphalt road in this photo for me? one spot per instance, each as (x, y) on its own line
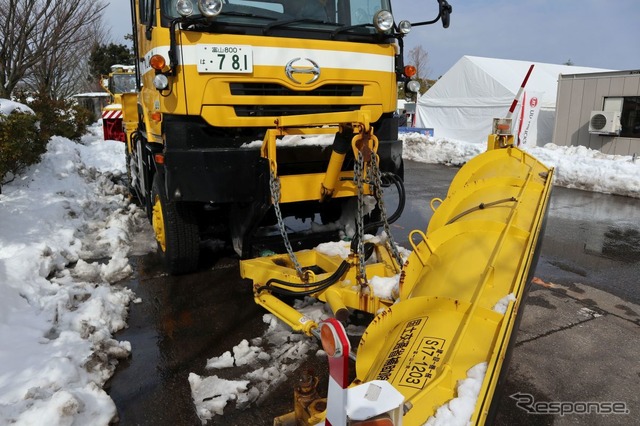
(578, 340)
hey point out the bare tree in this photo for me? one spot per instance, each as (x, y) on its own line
(63, 72)
(419, 58)
(41, 37)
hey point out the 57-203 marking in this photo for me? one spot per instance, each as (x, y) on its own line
(421, 367)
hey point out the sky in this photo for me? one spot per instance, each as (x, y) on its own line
(590, 33)
(67, 231)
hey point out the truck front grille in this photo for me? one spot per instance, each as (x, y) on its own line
(272, 89)
(283, 110)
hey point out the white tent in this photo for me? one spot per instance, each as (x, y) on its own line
(462, 104)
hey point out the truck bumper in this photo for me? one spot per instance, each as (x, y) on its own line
(204, 165)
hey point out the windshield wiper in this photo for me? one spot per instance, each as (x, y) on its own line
(249, 15)
(348, 28)
(201, 19)
(287, 22)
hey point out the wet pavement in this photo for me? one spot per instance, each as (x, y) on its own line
(578, 340)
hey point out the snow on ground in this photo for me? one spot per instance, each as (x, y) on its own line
(66, 232)
(271, 358)
(576, 166)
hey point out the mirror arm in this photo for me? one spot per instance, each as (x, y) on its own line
(443, 5)
(417, 24)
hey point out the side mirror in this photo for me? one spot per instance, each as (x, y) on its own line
(445, 11)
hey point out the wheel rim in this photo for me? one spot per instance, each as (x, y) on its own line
(157, 221)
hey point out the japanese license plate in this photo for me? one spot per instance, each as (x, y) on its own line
(224, 58)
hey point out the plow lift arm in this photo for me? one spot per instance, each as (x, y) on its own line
(478, 252)
(310, 272)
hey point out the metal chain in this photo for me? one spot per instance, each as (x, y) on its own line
(274, 185)
(358, 170)
(377, 191)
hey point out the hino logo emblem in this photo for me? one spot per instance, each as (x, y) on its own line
(290, 69)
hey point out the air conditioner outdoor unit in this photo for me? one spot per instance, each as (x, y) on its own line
(605, 122)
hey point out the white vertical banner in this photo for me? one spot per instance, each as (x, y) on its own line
(528, 123)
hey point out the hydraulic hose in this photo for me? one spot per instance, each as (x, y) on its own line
(312, 288)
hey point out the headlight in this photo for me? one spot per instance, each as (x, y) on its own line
(383, 20)
(413, 86)
(184, 7)
(210, 8)
(161, 81)
(404, 27)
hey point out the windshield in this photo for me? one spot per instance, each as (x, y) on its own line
(122, 83)
(302, 14)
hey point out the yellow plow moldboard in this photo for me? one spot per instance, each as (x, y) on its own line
(478, 253)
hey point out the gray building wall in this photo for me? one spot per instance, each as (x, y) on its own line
(578, 95)
(94, 102)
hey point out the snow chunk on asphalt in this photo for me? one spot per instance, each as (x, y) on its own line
(223, 361)
(211, 394)
(263, 364)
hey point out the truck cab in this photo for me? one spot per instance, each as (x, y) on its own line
(214, 76)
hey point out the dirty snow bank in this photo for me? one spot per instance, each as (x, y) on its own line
(66, 231)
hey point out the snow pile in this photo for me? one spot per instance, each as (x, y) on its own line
(576, 166)
(421, 148)
(385, 287)
(382, 287)
(459, 410)
(503, 304)
(67, 230)
(583, 168)
(295, 140)
(262, 364)
(7, 107)
(341, 249)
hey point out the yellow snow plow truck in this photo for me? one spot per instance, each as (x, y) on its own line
(231, 93)
(121, 79)
(251, 114)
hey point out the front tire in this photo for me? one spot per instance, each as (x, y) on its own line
(176, 229)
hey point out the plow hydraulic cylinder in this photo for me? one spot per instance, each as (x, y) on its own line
(341, 144)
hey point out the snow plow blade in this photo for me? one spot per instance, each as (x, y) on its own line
(457, 310)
